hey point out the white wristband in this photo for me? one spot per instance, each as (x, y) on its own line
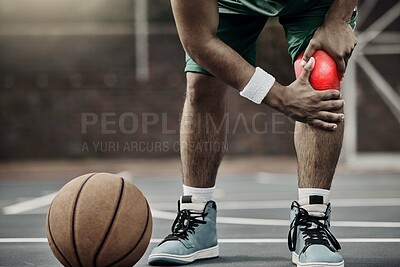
(258, 87)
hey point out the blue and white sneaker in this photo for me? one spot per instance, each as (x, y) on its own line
(310, 240)
(193, 237)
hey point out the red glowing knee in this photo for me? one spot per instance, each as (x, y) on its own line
(324, 75)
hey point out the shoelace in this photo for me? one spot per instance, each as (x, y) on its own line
(185, 222)
(313, 230)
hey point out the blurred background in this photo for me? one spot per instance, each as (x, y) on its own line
(99, 79)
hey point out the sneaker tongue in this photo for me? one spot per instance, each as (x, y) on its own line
(192, 203)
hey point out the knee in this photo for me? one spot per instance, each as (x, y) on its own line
(205, 91)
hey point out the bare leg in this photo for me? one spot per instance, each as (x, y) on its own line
(317, 155)
(203, 130)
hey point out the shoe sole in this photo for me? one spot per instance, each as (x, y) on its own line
(295, 260)
(173, 259)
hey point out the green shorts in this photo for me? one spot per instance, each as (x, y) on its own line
(239, 27)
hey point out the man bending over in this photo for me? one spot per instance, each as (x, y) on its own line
(219, 38)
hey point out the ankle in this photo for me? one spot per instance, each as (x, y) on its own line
(314, 200)
(205, 193)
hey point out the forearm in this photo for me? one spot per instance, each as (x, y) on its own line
(226, 64)
(340, 10)
(197, 23)
(222, 62)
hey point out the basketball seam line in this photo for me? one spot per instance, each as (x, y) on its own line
(139, 240)
(73, 219)
(53, 240)
(111, 223)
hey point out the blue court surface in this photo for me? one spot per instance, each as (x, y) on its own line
(253, 210)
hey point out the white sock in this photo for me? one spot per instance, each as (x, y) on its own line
(314, 200)
(205, 193)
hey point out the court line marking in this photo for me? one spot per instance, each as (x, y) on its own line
(43, 201)
(228, 240)
(46, 200)
(281, 204)
(159, 214)
(30, 204)
(223, 205)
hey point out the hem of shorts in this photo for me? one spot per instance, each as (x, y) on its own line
(196, 69)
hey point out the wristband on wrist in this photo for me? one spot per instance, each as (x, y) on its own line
(258, 86)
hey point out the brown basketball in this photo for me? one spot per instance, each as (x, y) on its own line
(99, 219)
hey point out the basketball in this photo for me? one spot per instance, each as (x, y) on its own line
(99, 219)
(324, 75)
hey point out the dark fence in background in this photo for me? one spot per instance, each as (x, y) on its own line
(76, 95)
